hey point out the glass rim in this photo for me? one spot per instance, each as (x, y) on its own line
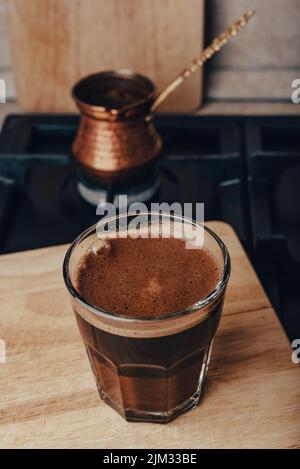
(199, 305)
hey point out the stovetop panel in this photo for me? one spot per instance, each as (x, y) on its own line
(245, 170)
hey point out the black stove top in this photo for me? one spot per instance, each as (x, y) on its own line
(245, 169)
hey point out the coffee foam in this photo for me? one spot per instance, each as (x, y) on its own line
(136, 326)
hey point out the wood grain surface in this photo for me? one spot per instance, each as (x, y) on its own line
(48, 397)
(56, 42)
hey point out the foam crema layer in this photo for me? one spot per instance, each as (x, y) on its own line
(146, 282)
(135, 328)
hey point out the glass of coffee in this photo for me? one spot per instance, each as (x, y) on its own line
(148, 300)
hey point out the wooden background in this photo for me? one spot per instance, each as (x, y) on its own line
(258, 66)
(56, 42)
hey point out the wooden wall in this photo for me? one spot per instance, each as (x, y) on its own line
(259, 65)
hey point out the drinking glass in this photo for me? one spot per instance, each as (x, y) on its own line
(148, 369)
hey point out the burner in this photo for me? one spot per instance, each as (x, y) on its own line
(94, 193)
(166, 187)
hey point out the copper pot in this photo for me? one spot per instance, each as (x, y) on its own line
(116, 141)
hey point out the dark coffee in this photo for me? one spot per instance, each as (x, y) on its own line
(147, 376)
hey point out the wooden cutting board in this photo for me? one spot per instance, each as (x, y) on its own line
(48, 396)
(56, 42)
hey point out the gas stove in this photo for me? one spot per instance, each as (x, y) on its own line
(245, 170)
